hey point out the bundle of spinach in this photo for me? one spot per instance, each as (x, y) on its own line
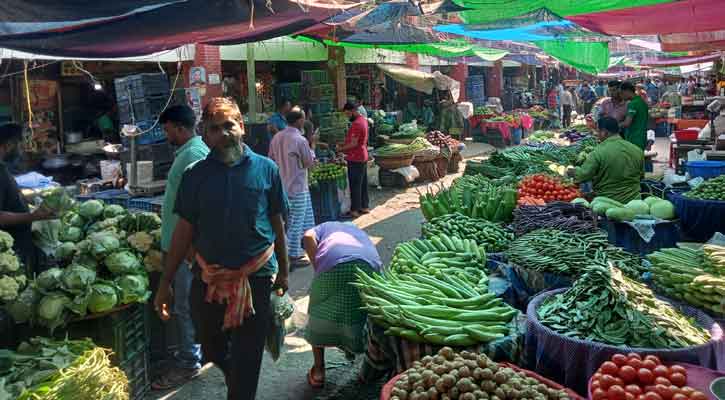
(606, 306)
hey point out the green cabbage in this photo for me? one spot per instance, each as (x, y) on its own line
(133, 288)
(65, 251)
(57, 200)
(76, 278)
(91, 209)
(102, 298)
(113, 210)
(73, 219)
(663, 209)
(103, 243)
(50, 279)
(638, 206)
(71, 234)
(52, 309)
(122, 263)
(23, 308)
(46, 235)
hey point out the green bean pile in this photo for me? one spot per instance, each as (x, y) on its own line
(565, 253)
(607, 307)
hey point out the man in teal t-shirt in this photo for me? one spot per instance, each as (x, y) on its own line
(179, 123)
(635, 124)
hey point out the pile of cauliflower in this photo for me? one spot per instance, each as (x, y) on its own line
(12, 278)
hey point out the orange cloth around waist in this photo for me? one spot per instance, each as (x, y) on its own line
(231, 286)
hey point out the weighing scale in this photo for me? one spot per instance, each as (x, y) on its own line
(134, 188)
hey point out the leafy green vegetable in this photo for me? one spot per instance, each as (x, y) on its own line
(57, 200)
(133, 288)
(50, 279)
(71, 234)
(103, 243)
(91, 209)
(23, 308)
(122, 263)
(52, 309)
(141, 241)
(66, 251)
(102, 298)
(6, 241)
(46, 235)
(9, 262)
(73, 219)
(77, 278)
(113, 210)
(8, 289)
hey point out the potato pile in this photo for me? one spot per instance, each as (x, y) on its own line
(468, 376)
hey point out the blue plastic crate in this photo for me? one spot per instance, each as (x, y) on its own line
(705, 169)
(667, 234)
(113, 196)
(325, 204)
(153, 133)
(153, 204)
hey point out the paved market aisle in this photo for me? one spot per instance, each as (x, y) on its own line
(394, 218)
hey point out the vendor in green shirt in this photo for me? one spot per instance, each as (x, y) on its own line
(615, 167)
(635, 124)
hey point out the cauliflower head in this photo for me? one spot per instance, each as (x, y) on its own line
(9, 262)
(6, 241)
(22, 280)
(153, 261)
(8, 289)
(141, 241)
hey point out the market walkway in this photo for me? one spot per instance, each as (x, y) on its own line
(394, 218)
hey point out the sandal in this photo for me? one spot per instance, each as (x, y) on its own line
(314, 383)
(350, 215)
(175, 378)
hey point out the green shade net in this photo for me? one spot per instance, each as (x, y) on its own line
(447, 49)
(589, 57)
(492, 10)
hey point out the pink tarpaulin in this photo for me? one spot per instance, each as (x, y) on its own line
(699, 41)
(677, 17)
(678, 61)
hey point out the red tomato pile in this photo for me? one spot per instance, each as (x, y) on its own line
(632, 377)
(547, 188)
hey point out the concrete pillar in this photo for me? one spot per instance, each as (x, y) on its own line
(494, 80)
(460, 73)
(207, 56)
(336, 58)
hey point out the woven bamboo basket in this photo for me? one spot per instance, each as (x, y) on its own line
(400, 141)
(395, 162)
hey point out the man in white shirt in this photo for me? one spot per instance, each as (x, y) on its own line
(567, 101)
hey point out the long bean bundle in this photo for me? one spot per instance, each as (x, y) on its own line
(565, 253)
(567, 217)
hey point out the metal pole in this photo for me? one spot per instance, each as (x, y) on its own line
(133, 174)
(251, 84)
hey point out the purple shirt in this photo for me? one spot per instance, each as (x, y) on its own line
(292, 153)
(339, 242)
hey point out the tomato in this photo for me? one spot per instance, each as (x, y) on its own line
(661, 380)
(664, 391)
(635, 363)
(629, 396)
(618, 381)
(654, 358)
(595, 384)
(634, 389)
(687, 391)
(633, 355)
(616, 392)
(661, 370)
(598, 394)
(678, 379)
(597, 375)
(606, 381)
(609, 368)
(645, 376)
(678, 369)
(627, 373)
(652, 396)
(649, 364)
(696, 395)
(679, 396)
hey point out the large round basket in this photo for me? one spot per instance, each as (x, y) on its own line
(400, 141)
(572, 361)
(395, 162)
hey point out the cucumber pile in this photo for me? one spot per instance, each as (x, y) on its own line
(694, 276)
(426, 309)
(492, 236)
(607, 307)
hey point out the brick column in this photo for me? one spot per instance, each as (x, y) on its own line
(337, 73)
(494, 80)
(460, 73)
(207, 56)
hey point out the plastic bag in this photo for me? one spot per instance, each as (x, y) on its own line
(343, 196)
(282, 308)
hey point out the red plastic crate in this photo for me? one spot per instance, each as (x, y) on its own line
(686, 135)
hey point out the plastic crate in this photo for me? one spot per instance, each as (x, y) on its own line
(113, 196)
(148, 108)
(138, 86)
(667, 234)
(686, 135)
(392, 179)
(705, 169)
(314, 77)
(325, 203)
(137, 371)
(157, 152)
(153, 133)
(124, 331)
(153, 204)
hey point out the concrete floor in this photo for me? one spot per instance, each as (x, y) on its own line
(394, 218)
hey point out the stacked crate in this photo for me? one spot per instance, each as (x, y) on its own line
(141, 98)
(476, 89)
